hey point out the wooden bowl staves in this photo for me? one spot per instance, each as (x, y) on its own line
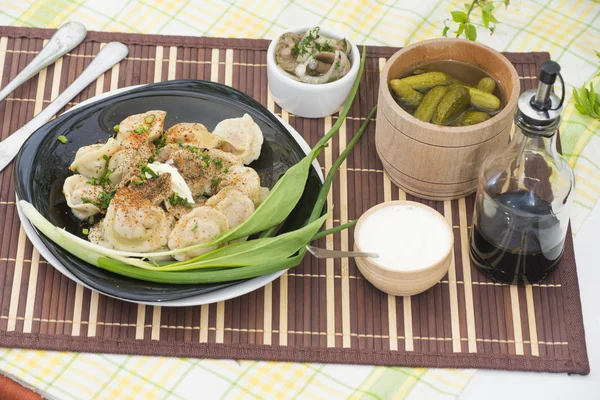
(441, 162)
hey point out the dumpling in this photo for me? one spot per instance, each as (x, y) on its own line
(241, 136)
(200, 225)
(194, 133)
(150, 125)
(244, 179)
(156, 190)
(77, 191)
(203, 171)
(133, 223)
(186, 133)
(98, 236)
(235, 205)
(135, 151)
(90, 161)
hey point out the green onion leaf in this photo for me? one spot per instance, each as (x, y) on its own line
(62, 139)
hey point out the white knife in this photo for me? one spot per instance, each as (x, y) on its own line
(66, 38)
(106, 58)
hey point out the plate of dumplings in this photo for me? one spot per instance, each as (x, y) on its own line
(153, 168)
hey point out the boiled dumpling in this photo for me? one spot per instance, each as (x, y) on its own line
(133, 223)
(203, 171)
(98, 236)
(149, 125)
(91, 160)
(235, 205)
(200, 225)
(156, 190)
(77, 189)
(187, 134)
(193, 133)
(246, 180)
(135, 151)
(241, 136)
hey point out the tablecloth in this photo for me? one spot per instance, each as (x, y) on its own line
(568, 30)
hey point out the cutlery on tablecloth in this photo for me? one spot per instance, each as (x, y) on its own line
(66, 38)
(326, 253)
(106, 58)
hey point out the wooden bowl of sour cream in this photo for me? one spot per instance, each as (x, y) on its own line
(414, 243)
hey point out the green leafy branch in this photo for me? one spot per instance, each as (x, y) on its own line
(587, 101)
(466, 25)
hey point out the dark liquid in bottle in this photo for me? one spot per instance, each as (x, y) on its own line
(517, 238)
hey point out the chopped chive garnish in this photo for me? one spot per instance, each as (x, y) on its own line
(116, 128)
(62, 139)
(85, 231)
(140, 129)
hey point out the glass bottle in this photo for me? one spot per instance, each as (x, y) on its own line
(524, 193)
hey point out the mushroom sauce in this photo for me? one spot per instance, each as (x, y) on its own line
(310, 57)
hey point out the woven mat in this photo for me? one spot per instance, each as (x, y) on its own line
(321, 311)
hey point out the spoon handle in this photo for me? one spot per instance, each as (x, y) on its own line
(66, 38)
(106, 58)
(326, 253)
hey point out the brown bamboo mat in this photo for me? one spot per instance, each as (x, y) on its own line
(321, 311)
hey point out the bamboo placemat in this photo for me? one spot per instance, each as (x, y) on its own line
(321, 311)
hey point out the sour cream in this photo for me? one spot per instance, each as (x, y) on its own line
(178, 184)
(406, 237)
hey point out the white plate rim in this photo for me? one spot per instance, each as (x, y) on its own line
(227, 293)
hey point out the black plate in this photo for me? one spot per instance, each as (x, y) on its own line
(42, 166)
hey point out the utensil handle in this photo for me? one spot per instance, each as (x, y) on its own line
(64, 40)
(106, 58)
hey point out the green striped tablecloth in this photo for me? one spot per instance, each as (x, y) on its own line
(568, 30)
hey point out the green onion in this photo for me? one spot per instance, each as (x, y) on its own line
(145, 169)
(242, 254)
(175, 199)
(62, 139)
(116, 128)
(140, 129)
(149, 119)
(162, 142)
(335, 229)
(85, 231)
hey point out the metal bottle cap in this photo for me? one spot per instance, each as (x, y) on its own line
(538, 111)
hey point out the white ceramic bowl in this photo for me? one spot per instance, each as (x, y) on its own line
(305, 99)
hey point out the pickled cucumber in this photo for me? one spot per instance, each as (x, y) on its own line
(430, 102)
(452, 105)
(448, 93)
(426, 80)
(405, 93)
(472, 118)
(486, 85)
(483, 100)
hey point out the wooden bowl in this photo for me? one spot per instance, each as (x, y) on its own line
(399, 282)
(441, 162)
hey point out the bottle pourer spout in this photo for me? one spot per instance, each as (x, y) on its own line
(548, 73)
